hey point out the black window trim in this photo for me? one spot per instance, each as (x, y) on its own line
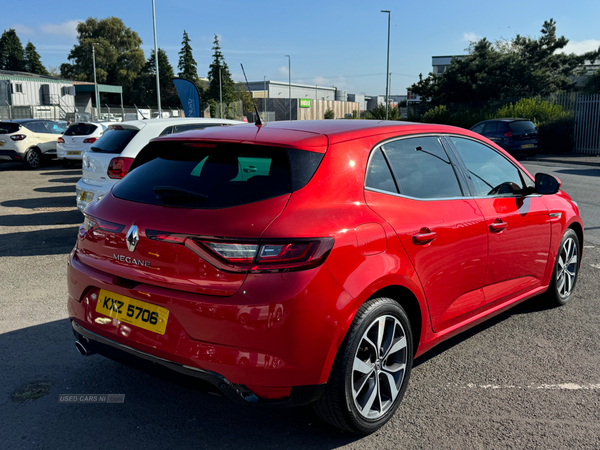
(464, 169)
(464, 187)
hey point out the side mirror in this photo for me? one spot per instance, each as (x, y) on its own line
(546, 184)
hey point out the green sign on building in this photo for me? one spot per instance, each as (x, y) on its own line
(305, 103)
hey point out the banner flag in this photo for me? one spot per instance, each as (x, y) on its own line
(188, 94)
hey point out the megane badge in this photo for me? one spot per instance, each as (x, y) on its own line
(132, 238)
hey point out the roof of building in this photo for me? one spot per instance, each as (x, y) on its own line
(26, 76)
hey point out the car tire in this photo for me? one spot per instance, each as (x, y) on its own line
(371, 370)
(33, 158)
(566, 270)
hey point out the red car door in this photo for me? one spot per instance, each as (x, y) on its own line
(443, 232)
(518, 225)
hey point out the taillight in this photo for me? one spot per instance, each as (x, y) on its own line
(92, 223)
(118, 167)
(508, 134)
(258, 256)
(60, 140)
(89, 140)
(18, 137)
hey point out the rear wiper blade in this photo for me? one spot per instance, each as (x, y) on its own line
(166, 192)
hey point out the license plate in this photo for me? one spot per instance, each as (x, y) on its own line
(527, 146)
(73, 153)
(86, 196)
(1, 143)
(134, 312)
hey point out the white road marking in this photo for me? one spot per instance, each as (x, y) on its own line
(564, 386)
(595, 266)
(589, 246)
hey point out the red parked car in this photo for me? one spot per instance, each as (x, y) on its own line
(311, 262)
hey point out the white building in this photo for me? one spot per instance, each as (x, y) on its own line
(26, 95)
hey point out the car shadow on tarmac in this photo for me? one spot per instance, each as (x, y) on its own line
(156, 413)
(56, 189)
(582, 172)
(44, 202)
(53, 241)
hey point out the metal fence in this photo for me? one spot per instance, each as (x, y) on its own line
(106, 113)
(587, 125)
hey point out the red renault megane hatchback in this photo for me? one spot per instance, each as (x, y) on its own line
(311, 262)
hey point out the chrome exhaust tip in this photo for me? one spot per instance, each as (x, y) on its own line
(83, 349)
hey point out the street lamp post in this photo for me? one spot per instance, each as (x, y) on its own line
(387, 72)
(156, 62)
(290, 83)
(95, 83)
(220, 93)
(265, 98)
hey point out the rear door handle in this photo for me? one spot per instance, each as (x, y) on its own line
(425, 236)
(498, 226)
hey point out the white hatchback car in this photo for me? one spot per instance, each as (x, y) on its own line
(109, 158)
(28, 140)
(78, 138)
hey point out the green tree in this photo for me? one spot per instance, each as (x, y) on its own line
(219, 66)
(168, 93)
(592, 85)
(187, 64)
(11, 51)
(33, 64)
(119, 57)
(242, 94)
(521, 67)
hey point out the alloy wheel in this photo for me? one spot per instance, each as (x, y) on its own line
(379, 367)
(33, 159)
(566, 271)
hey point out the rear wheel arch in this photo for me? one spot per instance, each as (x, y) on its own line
(405, 298)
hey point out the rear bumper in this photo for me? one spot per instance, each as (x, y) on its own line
(276, 331)
(95, 191)
(68, 153)
(301, 395)
(10, 155)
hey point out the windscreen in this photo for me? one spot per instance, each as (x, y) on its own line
(114, 141)
(80, 129)
(208, 175)
(9, 127)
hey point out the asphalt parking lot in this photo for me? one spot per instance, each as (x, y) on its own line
(529, 378)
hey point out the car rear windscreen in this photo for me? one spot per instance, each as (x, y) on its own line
(201, 175)
(522, 125)
(9, 127)
(114, 141)
(80, 129)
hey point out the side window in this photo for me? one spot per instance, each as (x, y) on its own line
(422, 168)
(490, 172)
(36, 127)
(490, 127)
(478, 128)
(379, 175)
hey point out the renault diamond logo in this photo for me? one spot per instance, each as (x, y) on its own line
(132, 238)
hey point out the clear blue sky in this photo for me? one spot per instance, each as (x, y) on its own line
(340, 43)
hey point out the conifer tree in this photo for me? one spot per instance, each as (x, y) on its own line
(33, 64)
(187, 64)
(227, 86)
(11, 51)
